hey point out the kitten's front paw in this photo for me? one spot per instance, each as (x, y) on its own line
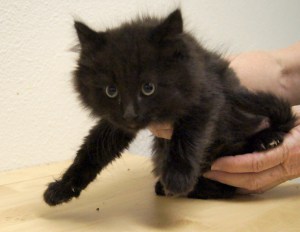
(267, 140)
(59, 192)
(178, 183)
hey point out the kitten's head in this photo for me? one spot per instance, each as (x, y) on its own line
(137, 73)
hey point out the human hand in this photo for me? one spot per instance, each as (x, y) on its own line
(162, 130)
(258, 171)
(258, 70)
(261, 171)
(270, 71)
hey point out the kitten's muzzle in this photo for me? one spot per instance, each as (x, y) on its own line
(129, 114)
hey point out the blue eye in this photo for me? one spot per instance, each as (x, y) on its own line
(111, 91)
(148, 88)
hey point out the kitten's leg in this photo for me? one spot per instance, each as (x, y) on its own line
(103, 144)
(265, 140)
(204, 189)
(209, 189)
(186, 157)
(160, 150)
(277, 110)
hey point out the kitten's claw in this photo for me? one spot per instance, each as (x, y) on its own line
(267, 140)
(274, 143)
(263, 146)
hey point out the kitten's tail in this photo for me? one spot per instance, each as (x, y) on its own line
(275, 108)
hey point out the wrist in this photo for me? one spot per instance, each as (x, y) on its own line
(289, 78)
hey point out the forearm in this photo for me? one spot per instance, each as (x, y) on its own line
(275, 71)
(289, 60)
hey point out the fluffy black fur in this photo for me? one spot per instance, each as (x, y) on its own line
(191, 87)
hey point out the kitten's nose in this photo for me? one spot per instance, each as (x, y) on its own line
(129, 113)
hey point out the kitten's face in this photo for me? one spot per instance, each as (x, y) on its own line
(136, 74)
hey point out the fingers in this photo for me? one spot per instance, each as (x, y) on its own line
(260, 190)
(165, 134)
(260, 161)
(251, 182)
(296, 111)
(163, 130)
(252, 162)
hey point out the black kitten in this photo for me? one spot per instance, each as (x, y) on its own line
(151, 71)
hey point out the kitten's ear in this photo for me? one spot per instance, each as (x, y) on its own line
(88, 38)
(170, 27)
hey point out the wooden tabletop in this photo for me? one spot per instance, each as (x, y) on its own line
(122, 199)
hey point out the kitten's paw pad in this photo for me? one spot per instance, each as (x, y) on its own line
(159, 189)
(59, 192)
(178, 184)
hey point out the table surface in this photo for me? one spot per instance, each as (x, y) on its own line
(124, 195)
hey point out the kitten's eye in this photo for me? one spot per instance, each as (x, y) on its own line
(111, 91)
(148, 88)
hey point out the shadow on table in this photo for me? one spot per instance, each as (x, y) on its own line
(129, 201)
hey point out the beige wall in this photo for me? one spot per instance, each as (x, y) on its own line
(41, 121)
